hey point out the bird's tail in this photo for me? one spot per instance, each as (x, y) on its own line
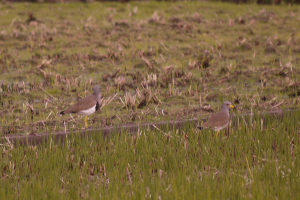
(62, 113)
(200, 127)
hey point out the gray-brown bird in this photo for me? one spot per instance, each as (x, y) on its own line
(219, 120)
(87, 105)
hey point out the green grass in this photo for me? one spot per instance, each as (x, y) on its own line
(201, 53)
(258, 160)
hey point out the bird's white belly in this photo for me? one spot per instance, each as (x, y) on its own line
(218, 128)
(88, 111)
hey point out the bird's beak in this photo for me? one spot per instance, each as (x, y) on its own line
(231, 106)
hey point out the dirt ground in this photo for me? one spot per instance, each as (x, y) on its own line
(153, 60)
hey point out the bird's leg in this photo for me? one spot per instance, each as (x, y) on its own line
(228, 131)
(217, 133)
(85, 121)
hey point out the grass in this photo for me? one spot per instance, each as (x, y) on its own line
(181, 59)
(154, 61)
(257, 160)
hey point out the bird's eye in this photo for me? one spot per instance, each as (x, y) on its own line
(227, 104)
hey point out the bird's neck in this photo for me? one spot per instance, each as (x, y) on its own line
(98, 96)
(227, 112)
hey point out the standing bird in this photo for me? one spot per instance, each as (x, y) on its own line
(87, 105)
(219, 120)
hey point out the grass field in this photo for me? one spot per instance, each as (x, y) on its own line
(259, 159)
(153, 60)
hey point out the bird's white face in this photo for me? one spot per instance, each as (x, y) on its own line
(227, 105)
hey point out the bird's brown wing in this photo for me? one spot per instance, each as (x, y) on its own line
(82, 104)
(217, 120)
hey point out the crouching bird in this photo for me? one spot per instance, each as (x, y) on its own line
(219, 120)
(87, 105)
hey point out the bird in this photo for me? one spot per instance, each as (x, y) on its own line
(87, 105)
(219, 120)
